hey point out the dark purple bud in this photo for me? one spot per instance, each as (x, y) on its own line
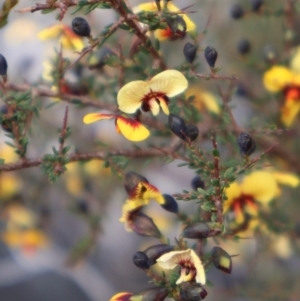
(244, 46)
(143, 225)
(81, 27)
(246, 144)
(196, 231)
(3, 65)
(211, 56)
(189, 52)
(141, 260)
(256, 5)
(190, 291)
(82, 206)
(197, 183)
(191, 132)
(132, 179)
(221, 260)
(170, 204)
(236, 11)
(152, 294)
(156, 251)
(177, 126)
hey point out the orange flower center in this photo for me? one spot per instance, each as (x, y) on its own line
(156, 96)
(240, 203)
(292, 93)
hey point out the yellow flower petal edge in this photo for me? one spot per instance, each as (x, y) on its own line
(123, 296)
(277, 78)
(289, 111)
(51, 32)
(171, 82)
(93, 117)
(130, 96)
(233, 192)
(261, 185)
(132, 129)
(286, 178)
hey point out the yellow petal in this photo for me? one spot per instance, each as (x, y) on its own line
(132, 129)
(261, 185)
(233, 192)
(152, 193)
(9, 185)
(164, 106)
(75, 41)
(51, 32)
(92, 117)
(154, 106)
(124, 296)
(170, 82)
(8, 154)
(295, 61)
(209, 101)
(286, 178)
(239, 214)
(289, 111)
(19, 217)
(131, 95)
(277, 78)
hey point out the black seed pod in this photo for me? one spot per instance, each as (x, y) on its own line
(81, 27)
(236, 11)
(143, 225)
(170, 204)
(256, 5)
(82, 206)
(177, 126)
(211, 56)
(192, 132)
(132, 179)
(246, 144)
(3, 65)
(189, 52)
(196, 231)
(191, 292)
(151, 294)
(244, 46)
(156, 251)
(221, 260)
(197, 183)
(141, 260)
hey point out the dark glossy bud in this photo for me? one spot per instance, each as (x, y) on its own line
(197, 183)
(81, 27)
(211, 56)
(270, 53)
(191, 292)
(156, 251)
(177, 26)
(170, 204)
(132, 179)
(256, 5)
(151, 294)
(244, 46)
(177, 126)
(236, 11)
(141, 260)
(3, 67)
(143, 225)
(191, 132)
(189, 52)
(221, 260)
(246, 144)
(196, 231)
(4, 124)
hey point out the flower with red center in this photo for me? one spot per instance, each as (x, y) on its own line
(191, 267)
(287, 82)
(258, 188)
(68, 38)
(123, 296)
(169, 33)
(130, 128)
(150, 95)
